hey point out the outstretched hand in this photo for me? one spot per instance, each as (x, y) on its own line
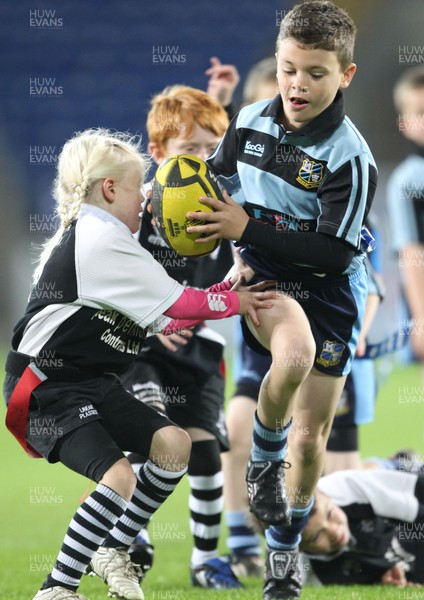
(396, 576)
(241, 269)
(252, 298)
(223, 80)
(174, 340)
(228, 220)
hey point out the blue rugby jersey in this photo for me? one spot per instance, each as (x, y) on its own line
(321, 178)
(405, 195)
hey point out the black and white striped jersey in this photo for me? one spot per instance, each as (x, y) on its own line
(389, 494)
(385, 511)
(100, 294)
(320, 179)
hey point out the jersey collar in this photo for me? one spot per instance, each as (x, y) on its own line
(314, 132)
(100, 213)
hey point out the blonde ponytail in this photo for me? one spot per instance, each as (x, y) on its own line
(86, 158)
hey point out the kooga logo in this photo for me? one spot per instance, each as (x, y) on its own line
(255, 149)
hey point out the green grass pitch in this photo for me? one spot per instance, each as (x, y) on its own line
(38, 500)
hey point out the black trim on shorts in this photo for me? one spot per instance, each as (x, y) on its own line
(247, 388)
(251, 341)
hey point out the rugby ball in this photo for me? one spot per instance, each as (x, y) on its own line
(179, 182)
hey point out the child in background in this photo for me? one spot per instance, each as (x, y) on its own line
(184, 120)
(261, 81)
(365, 529)
(405, 194)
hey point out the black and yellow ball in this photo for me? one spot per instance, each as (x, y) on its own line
(179, 182)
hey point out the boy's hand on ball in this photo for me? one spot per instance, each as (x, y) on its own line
(228, 220)
(179, 182)
(252, 298)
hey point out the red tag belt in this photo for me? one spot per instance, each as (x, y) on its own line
(17, 411)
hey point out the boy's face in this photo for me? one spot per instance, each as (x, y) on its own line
(201, 142)
(327, 530)
(308, 80)
(411, 120)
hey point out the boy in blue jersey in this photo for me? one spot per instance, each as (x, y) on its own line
(405, 190)
(302, 180)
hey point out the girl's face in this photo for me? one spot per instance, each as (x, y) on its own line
(127, 198)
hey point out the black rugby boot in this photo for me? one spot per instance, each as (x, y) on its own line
(266, 491)
(283, 577)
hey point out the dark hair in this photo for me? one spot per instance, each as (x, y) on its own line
(320, 24)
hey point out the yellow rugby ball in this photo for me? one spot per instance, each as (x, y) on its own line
(179, 182)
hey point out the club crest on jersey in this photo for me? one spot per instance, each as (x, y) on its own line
(331, 353)
(310, 173)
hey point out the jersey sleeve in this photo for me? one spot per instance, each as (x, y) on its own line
(118, 273)
(345, 197)
(390, 493)
(324, 252)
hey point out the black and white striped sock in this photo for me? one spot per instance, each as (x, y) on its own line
(206, 500)
(154, 485)
(87, 530)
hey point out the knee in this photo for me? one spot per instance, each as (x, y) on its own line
(293, 356)
(121, 479)
(170, 448)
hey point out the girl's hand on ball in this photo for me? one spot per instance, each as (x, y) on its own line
(228, 220)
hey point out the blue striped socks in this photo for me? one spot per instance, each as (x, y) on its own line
(287, 537)
(242, 539)
(269, 444)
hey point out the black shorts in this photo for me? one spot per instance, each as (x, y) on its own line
(334, 307)
(254, 367)
(87, 425)
(190, 384)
